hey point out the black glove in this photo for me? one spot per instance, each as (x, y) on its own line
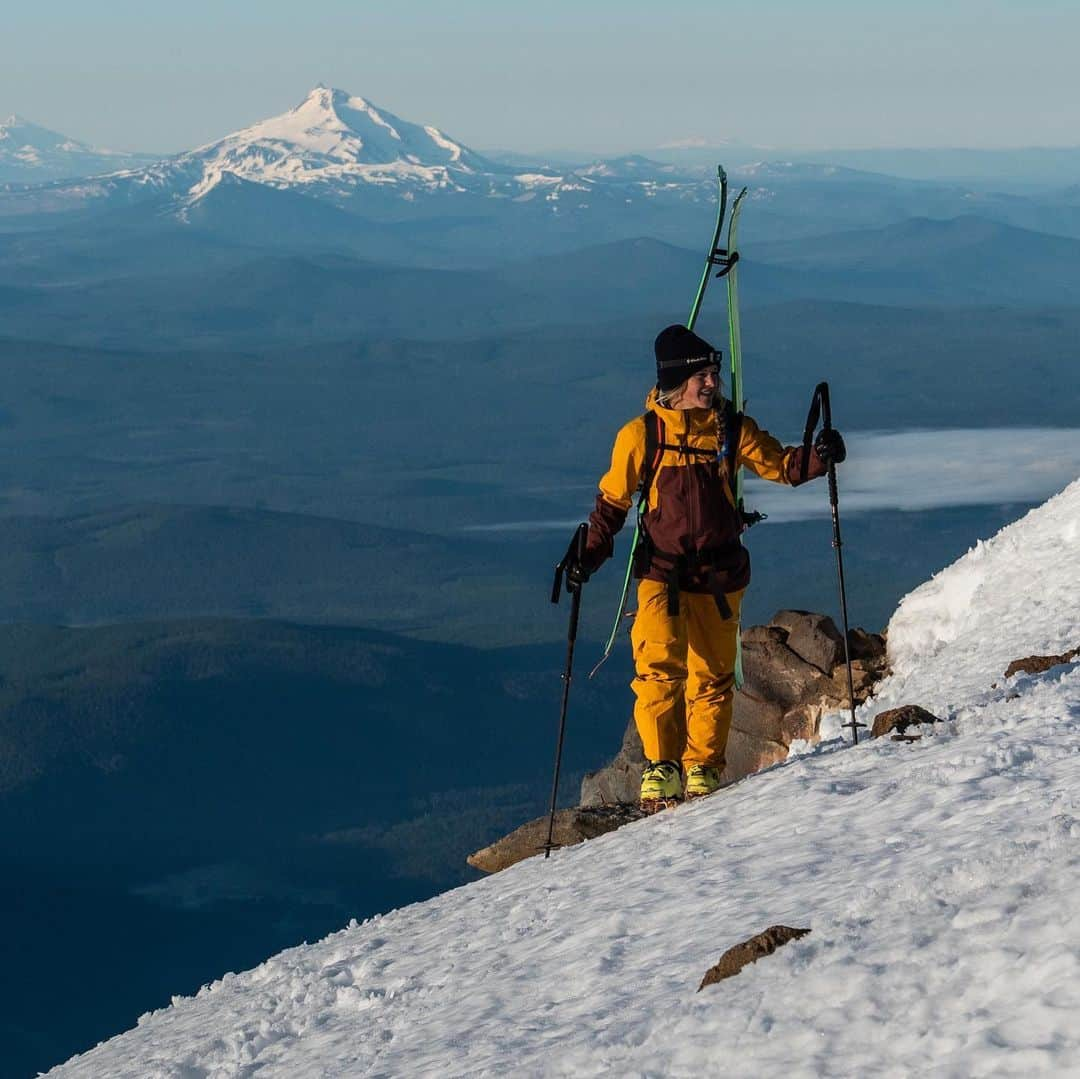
(576, 573)
(829, 446)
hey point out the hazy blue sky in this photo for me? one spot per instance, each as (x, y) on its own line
(604, 75)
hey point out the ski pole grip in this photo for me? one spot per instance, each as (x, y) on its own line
(820, 408)
(581, 542)
(822, 393)
(808, 433)
(812, 418)
(575, 551)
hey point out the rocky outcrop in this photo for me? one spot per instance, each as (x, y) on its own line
(794, 673)
(1039, 664)
(750, 951)
(620, 780)
(814, 637)
(571, 826)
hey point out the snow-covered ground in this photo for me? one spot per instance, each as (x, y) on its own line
(939, 879)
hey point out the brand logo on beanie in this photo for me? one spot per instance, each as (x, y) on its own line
(711, 357)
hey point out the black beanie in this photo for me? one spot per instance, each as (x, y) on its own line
(680, 353)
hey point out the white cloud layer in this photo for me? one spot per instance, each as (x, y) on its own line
(913, 470)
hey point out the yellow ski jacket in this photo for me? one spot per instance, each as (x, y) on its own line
(691, 526)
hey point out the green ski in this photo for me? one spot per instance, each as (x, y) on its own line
(738, 399)
(734, 335)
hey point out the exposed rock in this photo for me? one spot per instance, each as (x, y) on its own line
(620, 781)
(750, 951)
(762, 732)
(747, 753)
(763, 635)
(863, 680)
(783, 698)
(572, 826)
(866, 646)
(900, 719)
(1038, 664)
(773, 672)
(814, 637)
(758, 717)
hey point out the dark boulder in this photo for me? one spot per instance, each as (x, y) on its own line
(773, 672)
(866, 646)
(899, 720)
(814, 637)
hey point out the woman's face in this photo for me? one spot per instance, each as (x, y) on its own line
(700, 389)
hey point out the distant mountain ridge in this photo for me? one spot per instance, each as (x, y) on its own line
(337, 172)
(334, 145)
(30, 153)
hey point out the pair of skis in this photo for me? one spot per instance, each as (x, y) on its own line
(720, 261)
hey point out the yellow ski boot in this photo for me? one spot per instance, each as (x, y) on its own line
(661, 786)
(701, 779)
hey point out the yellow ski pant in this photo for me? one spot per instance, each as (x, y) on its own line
(685, 675)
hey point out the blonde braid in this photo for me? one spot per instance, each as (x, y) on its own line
(719, 406)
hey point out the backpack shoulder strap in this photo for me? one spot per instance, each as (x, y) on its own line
(654, 448)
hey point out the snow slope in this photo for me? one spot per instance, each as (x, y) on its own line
(938, 878)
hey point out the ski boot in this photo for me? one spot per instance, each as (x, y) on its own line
(701, 779)
(661, 786)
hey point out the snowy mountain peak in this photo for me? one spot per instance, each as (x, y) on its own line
(334, 138)
(325, 105)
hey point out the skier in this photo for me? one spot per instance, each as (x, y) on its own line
(690, 562)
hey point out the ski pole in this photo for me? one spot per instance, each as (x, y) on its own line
(820, 408)
(574, 553)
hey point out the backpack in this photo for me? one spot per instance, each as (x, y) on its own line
(655, 446)
(654, 449)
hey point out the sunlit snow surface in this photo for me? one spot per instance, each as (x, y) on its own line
(331, 136)
(940, 881)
